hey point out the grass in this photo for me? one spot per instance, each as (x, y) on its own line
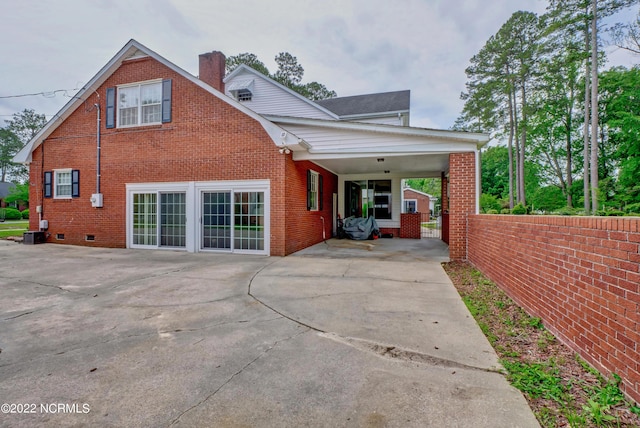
(13, 228)
(562, 389)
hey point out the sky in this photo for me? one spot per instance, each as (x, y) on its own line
(351, 46)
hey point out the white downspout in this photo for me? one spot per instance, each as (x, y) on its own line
(478, 184)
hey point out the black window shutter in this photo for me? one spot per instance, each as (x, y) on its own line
(111, 108)
(48, 184)
(308, 190)
(320, 192)
(166, 101)
(75, 183)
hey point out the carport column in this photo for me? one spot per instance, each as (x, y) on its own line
(462, 201)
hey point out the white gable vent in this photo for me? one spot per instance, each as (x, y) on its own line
(241, 90)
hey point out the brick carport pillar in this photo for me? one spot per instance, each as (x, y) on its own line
(462, 201)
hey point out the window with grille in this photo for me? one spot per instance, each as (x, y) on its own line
(140, 104)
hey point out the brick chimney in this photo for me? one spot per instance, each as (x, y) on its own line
(212, 69)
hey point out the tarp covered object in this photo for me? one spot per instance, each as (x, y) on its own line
(360, 228)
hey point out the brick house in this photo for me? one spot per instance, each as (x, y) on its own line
(147, 155)
(415, 201)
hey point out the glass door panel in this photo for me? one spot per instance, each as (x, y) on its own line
(145, 230)
(216, 220)
(173, 219)
(249, 221)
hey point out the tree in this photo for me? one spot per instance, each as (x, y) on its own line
(289, 74)
(500, 78)
(19, 194)
(569, 17)
(620, 115)
(26, 124)
(289, 71)
(19, 131)
(495, 172)
(249, 59)
(10, 144)
(627, 36)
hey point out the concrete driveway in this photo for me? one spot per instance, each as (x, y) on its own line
(364, 334)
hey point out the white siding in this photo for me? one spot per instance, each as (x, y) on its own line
(344, 140)
(389, 120)
(270, 99)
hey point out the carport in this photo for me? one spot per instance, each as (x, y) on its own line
(373, 159)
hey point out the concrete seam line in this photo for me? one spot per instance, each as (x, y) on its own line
(399, 354)
(272, 309)
(262, 354)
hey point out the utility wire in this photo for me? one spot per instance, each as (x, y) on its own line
(49, 94)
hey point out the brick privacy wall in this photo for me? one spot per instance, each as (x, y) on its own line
(207, 140)
(410, 226)
(462, 201)
(304, 228)
(580, 275)
(422, 201)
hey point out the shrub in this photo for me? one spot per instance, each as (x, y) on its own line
(632, 208)
(25, 214)
(519, 209)
(505, 211)
(567, 211)
(492, 211)
(10, 214)
(489, 202)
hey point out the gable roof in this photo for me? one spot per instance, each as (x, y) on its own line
(134, 49)
(404, 189)
(5, 188)
(385, 102)
(243, 68)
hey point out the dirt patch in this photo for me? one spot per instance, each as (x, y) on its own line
(562, 389)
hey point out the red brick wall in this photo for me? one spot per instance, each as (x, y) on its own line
(206, 140)
(410, 225)
(304, 228)
(462, 201)
(422, 201)
(580, 275)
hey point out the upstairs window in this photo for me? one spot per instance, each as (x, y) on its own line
(140, 104)
(146, 103)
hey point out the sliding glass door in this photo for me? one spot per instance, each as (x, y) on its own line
(242, 230)
(159, 219)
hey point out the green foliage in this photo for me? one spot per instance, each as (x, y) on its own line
(247, 58)
(489, 203)
(495, 171)
(10, 214)
(632, 208)
(538, 380)
(19, 193)
(10, 144)
(519, 209)
(25, 213)
(430, 186)
(547, 199)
